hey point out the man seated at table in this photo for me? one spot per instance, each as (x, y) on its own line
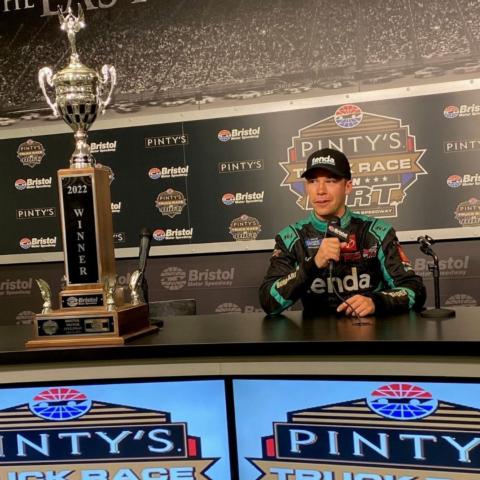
(363, 274)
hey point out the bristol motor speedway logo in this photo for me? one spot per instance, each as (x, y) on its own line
(225, 135)
(37, 242)
(454, 111)
(399, 431)
(383, 156)
(62, 433)
(33, 183)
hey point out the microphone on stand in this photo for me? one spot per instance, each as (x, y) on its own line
(426, 243)
(143, 250)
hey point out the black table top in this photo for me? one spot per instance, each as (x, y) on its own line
(290, 334)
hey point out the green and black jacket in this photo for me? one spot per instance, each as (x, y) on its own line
(372, 264)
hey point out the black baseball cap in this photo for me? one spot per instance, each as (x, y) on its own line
(328, 159)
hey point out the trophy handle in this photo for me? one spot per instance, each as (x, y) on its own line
(109, 287)
(46, 75)
(134, 286)
(46, 295)
(108, 73)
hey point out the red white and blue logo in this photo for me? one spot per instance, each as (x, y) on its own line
(224, 135)
(159, 235)
(454, 181)
(60, 404)
(348, 116)
(154, 173)
(25, 243)
(228, 198)
(20, 184)
(451, 111)
(402, 401)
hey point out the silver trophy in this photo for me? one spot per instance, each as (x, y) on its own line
(92, 310)
(78, 90)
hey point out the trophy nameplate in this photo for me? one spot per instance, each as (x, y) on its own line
(92, 310)
(81, 299)
(92, 327)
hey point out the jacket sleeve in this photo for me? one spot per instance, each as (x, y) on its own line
(403, 289)
(287, 278)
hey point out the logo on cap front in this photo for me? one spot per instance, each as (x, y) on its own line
(328, 160)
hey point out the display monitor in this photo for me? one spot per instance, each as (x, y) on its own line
(381, 429)
(131, 430)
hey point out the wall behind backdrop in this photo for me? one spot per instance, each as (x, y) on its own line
(215, 114)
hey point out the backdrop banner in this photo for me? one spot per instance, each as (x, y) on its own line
(213, 184)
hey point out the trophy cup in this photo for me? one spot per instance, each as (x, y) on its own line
(92, 309)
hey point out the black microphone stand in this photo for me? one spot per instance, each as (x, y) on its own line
(436, 312)
(143, 250)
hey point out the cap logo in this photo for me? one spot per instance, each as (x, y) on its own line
(323, 160)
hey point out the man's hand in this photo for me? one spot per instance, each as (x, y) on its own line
(363, 306)
(329, 250)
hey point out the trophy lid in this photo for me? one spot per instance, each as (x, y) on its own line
(75, 73)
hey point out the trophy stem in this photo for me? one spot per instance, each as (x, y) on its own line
(81, 157)
(74, 59)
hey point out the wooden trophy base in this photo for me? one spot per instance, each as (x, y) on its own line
(90, 326)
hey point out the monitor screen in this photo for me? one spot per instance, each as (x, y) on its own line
(148, 430)
(295, 429)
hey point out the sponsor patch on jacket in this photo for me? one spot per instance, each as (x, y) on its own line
(276, 252)
(313, 242)
(370, 252)
(395, 293)
(404, 259)
(351, 256)
(351, 244)
(403, 255)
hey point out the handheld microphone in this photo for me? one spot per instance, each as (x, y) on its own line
(334, 230)
(144, 248)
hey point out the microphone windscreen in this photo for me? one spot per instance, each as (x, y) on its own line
(334, 229)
